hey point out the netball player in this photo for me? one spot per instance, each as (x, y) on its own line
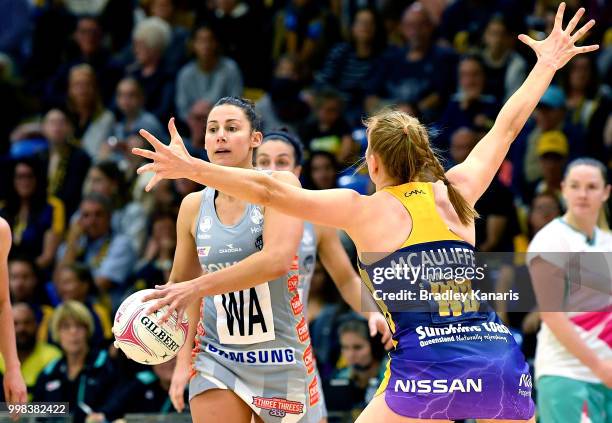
(573, 362)
(252, 352)
(417, 208)
(14, 386)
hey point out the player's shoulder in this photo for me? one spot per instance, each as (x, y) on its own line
(193, 199)
(549, 238)
(605, 239)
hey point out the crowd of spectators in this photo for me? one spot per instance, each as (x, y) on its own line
(78, 79)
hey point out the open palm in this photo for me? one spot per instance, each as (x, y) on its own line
(169, 161)
(559, 47)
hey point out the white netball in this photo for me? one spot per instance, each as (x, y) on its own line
(141, 337)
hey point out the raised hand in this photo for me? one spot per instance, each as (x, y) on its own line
(558, 48)
(169, 161)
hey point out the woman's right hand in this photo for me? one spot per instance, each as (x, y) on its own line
(180, 379)
(171, 161)
(603, 370)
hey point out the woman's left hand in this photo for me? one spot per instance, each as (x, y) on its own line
(558, 48)
(177, 296)
(378, 324)
(171, 161)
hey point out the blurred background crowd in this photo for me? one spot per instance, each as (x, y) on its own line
(79, 78)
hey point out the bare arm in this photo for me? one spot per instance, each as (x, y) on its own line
(473, 176)
(281, 236)
(336, 262)
(185, 266)
(7, 340)
(14, 386)
(339, 208)
(548, 285)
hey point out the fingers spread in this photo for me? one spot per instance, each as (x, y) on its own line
(586, 49)
(157, 144)
(168, 313)
(526, 39)
(179, 319)
(154, 180)
(148, 154)
(172, 129)
(559, 17)
(149, 167)
(152, 296)
(572, 24)
(156, 306)
(580, 33)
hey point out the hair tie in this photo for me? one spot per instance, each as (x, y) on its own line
(446, 182)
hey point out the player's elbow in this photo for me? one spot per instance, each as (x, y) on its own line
(264, 190)
(280, 265)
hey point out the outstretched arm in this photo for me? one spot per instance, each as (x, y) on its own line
(473, 176)
(337, 207)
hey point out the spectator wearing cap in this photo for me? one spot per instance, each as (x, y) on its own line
(90, 240)
(550, 115)
(553, 151)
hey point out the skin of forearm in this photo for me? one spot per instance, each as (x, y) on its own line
(521, 104)
(7, 340)
(566, 334)
(241, 276)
